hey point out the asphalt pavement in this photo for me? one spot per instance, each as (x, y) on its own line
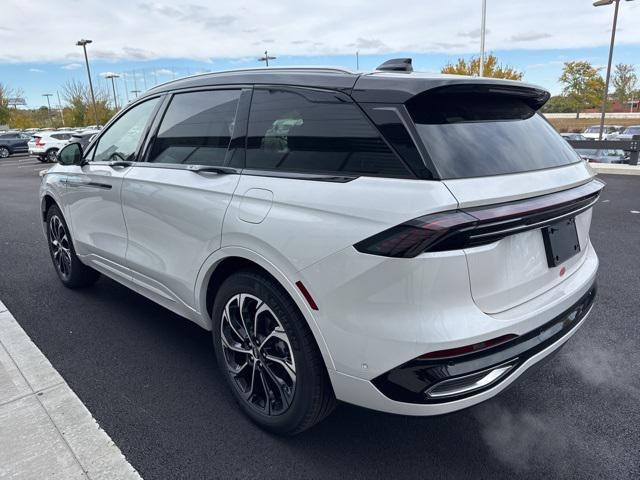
(149, 377)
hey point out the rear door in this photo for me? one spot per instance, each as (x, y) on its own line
(174, 202)
(492, 147)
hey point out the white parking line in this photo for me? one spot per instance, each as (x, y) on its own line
(45, 429)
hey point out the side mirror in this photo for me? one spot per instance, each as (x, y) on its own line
(70, 155)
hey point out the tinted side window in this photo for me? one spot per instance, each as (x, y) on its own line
(120, 141)
(315, 132)
(197, 128)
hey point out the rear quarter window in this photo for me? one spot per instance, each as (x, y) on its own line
(477, 134)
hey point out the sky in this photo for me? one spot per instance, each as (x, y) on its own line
(149, 42)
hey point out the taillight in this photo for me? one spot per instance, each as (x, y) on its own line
(458, 229)
(415, 236)
(476, 347)
(39, 142)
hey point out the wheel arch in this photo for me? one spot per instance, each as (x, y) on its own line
(47, 202)
(231, 259)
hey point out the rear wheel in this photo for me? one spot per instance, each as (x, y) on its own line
(268, 355)
(71, 271)
(51, 156)
(4, 152)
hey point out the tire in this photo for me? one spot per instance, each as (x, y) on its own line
(303, 396)
(41, 159)
(71, 271)
(4, 152)
(51, 156)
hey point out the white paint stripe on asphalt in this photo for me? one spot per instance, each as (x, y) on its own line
(45, 429)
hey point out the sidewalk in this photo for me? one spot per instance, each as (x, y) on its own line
(46, 432)
(616, 169)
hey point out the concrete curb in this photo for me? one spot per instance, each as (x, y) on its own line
(45, 429)
(616, 169)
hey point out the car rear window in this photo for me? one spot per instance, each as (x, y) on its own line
(477, 134)
(632, 131)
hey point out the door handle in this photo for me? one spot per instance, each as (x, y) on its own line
(122, 164)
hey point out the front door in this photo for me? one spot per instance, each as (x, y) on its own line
(93, 190)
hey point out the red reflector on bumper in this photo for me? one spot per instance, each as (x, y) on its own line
(307, 295)
(476, 347)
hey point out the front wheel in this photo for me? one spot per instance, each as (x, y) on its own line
(71, 271)
(4, 152)
(51, 156)
(268, 355)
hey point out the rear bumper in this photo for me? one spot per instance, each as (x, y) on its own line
(364, 393)
(439, 381)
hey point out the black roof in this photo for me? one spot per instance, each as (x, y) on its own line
(377, 87)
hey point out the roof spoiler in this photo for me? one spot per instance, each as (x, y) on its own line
(397, 65)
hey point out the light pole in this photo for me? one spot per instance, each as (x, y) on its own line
(83, 43)
(48, 104)
(266, 58)
(482, 35)
(600, 3)
(136, 92)
(113, 85)
(357, 61)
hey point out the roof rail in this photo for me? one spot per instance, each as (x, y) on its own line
(262, 69)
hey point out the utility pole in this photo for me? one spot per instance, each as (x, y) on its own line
(48, 104)
(357, 61)
(112, 76)
(83, 43)
(482, 35)
(60, 107)
(266, 58)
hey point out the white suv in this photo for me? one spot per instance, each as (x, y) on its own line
(45, 145)
(405, 242)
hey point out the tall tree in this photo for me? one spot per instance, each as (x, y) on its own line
(78, 98)
(625, 81)
(492, 68)
(582, 85)
(6, 94)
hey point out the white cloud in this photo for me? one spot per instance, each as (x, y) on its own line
(165, 71)
(71, 66)
(36, 70)
(149, 29)
(108, 74)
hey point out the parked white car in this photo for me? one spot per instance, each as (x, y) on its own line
(45, 145)
(609, 133)
(405, 242)
(629, 133)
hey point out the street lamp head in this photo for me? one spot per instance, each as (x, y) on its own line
(600, 3)
(83, 42)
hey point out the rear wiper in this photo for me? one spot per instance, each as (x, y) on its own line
(208, 169)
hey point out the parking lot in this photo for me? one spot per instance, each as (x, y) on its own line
(149, 377)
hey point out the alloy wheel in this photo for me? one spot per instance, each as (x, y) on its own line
(4, 152)
(52, 156)
(258, 354)
(60, 246)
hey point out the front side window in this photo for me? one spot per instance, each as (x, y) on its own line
(315, 132)
(197, 128)
(120, 141)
